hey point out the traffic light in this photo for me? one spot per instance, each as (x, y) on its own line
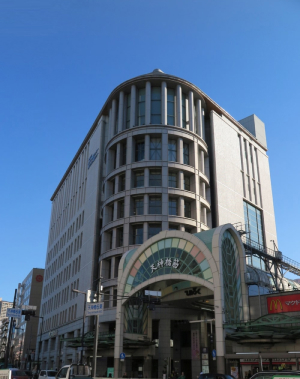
(27, 313)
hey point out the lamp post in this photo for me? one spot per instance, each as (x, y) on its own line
(20, 345)
(41, 332)
(83, 321)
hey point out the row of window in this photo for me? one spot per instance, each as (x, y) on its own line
(137, 234)
(62, 277)
(60, 318)
(156, 109)
(154, 207)
(66, 237)
(155, 151)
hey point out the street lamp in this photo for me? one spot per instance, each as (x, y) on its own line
(83, 321)
(38, 356)
(20, 345)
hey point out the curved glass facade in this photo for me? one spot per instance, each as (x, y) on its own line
(171, 255)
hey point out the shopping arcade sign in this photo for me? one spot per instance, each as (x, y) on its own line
(283, 303)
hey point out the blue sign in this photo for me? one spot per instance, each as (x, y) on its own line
(122, 356)
(14, 312)
(94, 309)
(92, 158)
(214, 353)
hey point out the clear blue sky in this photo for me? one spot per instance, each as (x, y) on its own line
(61, 59)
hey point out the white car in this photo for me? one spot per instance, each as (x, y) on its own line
(47, 374)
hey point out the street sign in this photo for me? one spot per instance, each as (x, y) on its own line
(94, 309)
(122, 356)
(214, 353)
(29, 307)
(14, 312)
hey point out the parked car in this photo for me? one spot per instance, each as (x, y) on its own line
(215, 376)
(47, 374)
(13, 373)
(29, 373)
(268, 374)
(74, 371)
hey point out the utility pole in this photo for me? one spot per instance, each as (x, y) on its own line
(10, 334)
(95, 352)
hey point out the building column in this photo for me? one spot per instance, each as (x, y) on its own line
(164, 146)
(198, 125)
(146, 204)
(126, 236)
(148, 103)
(110, 128)
(164, 344)
(117, 186)
(146, 177)
(145, 237)
(181, 207)
(165, 177)
(129, 152)
(147, 147)
(180, 150)
(179, 105)
(165, 204)
(115, 215)
(164, 103)
(202, 164)
(180, 180)
(191, 111)
(121, 111)
(196, 159)
(195, 337)
(114, 116)
(203, 125)
(133, 106)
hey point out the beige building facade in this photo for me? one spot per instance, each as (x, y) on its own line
(162, 161)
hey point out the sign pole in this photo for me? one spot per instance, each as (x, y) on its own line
(95, 352)
(10, 334)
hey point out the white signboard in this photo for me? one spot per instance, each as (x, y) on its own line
(14, 312)
(29, 307)
(94, 309)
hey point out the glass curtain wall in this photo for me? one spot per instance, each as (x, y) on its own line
(155, 105)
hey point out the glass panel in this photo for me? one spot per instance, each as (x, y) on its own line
(155, 148)
(154, 205)
(183, 111)
(155, 178)
(186, 183)
(138, 179)
(187, 209)
(173, 207)
(170, 107)
(173, 179)
(153, 229)
(155, 105)
(141, 107)
(138, 207)
(137, 234)
(128, 111)
(139, 151)
(186, 154)
(172, 150)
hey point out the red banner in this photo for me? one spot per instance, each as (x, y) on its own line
(284, 303)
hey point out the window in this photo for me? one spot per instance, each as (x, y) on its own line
(183, 111)
(106, 299)
(173, 207)
(173, 179)
(155, 178)
(172, 150)
(173, 227)
(120, 237)
(139, 150)
(115, 297)
(128, 111)
(155, 105)
(170, 107)
(187, 209)
(141, 107)
(123, 153)
(186, 183)
(117, 262)
(154, 205)
(186, 153)
(110, 209)
(138, 179)
(122, 181)
(137, 234)
(121, 209)
(253, 223)
(138, 206)
(109, 242)
(155, 148)
(153, 229)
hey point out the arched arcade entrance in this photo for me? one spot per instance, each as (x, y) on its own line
(171, 297)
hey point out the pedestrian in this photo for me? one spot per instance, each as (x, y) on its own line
(182, 376)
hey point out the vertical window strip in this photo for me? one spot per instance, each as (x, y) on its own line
(128, 111)
(156, 105)
(170, 106)
(183, 106)
(141, 107)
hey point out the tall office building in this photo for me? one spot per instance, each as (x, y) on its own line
(4, 325)
(161, 156)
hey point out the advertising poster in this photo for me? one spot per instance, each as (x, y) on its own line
(195, 345)
(234, 372)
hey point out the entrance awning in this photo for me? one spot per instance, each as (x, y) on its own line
(105, 340)
(266, 329)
